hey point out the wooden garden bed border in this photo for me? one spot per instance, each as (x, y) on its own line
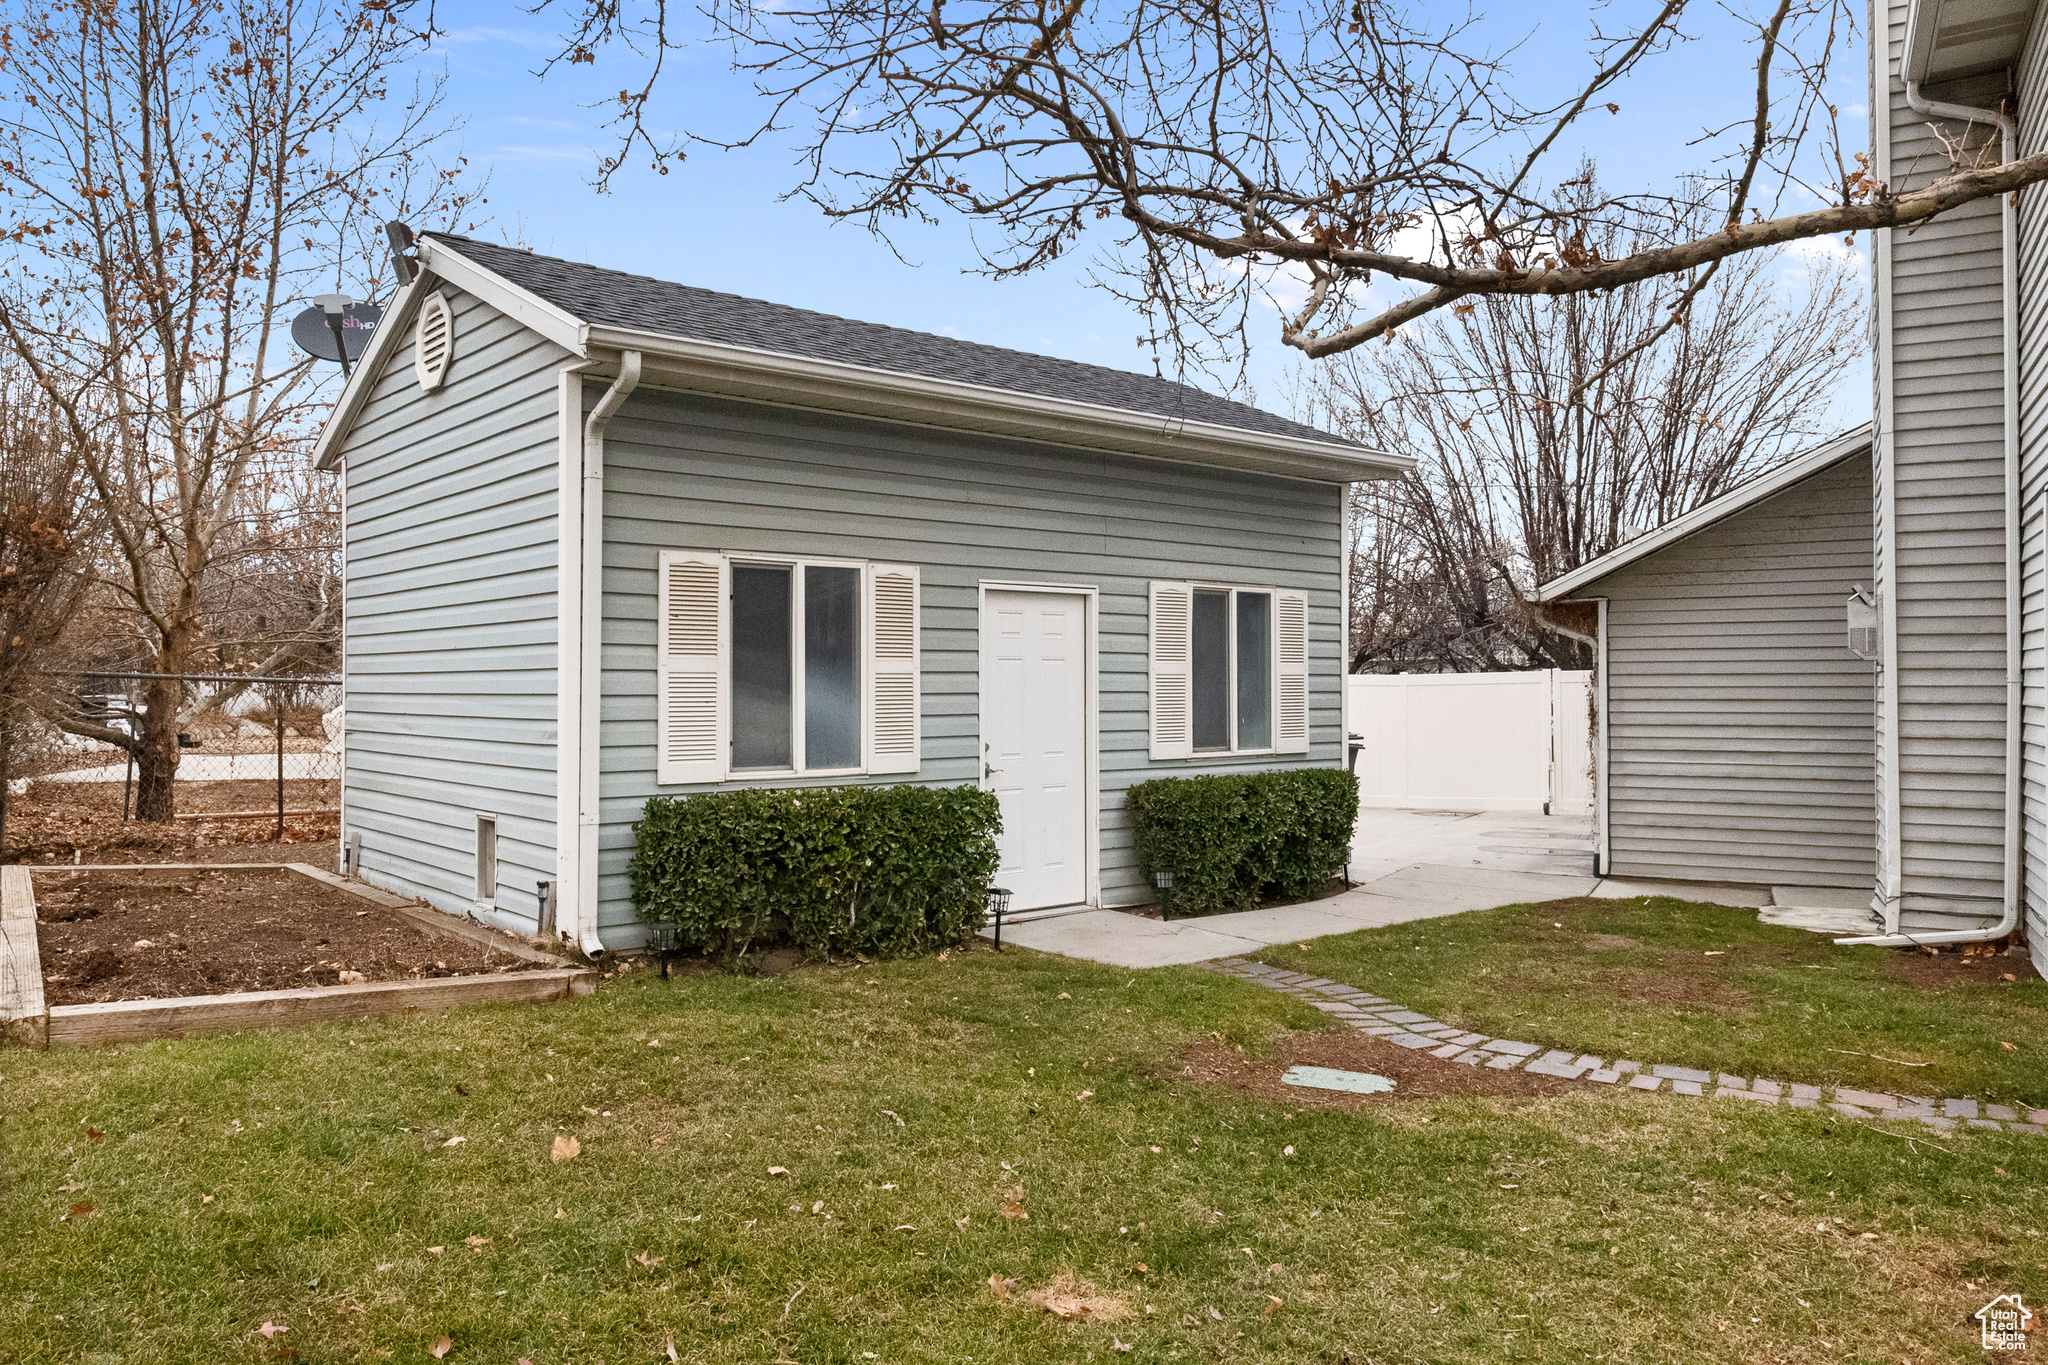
(27, 1019)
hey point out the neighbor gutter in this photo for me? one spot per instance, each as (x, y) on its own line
(580, 629)
(2014, 835)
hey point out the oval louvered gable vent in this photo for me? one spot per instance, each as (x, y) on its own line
(433, 341)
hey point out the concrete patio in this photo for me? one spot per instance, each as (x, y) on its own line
(1410, 865)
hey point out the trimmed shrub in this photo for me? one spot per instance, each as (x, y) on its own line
(1233, 840)
(831, 869)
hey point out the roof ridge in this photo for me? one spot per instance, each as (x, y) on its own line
(1182, 395)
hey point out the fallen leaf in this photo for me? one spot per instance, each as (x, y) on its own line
(1116, 1345)
(818, 1207)
(1085, 1095)
(1013, 1204)
(1157, 1150)
(94, 1134)
(654, 1042)
(71, 1187)
(78, 1211)
(1287, 1150)
(455, 1141)
(475, 1241)
(565, 1148)
(270, 1329)
(560, 1214)
(960, 1222)
(2009, 1047)
(440, 1348)
(1065, 996)
(669, 1349)
(1000, 1285)
(435, 1251)
(1142, 1268)
(1214, 1314)
(348, 978)
(649, 1261)
(2007, 976)
(206, 1199)
(460, 1089)
(1274, 1303)
(896, 1116)
(778, 1170)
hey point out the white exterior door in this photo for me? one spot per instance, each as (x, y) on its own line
(1034, 741)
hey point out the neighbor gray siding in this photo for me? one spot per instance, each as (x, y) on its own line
(1739, 725)
(1941, 315)
(451, 617)
(2033, 120)
(692, 473)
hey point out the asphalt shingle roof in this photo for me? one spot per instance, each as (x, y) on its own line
(612, 298)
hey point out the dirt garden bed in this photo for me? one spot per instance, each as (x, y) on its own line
(155, 932)
(117, 954)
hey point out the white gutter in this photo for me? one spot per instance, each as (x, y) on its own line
(579, 655)
(2009, 265)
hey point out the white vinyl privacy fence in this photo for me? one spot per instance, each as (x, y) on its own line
(1474, 741)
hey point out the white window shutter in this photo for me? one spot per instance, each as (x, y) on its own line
(1290, 649)
(691, 642)
(1173, 719)
(892, 709)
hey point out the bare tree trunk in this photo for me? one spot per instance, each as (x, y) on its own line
(156, 754)
(6, 753)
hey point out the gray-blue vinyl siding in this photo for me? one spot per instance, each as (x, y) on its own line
(1940, 312)
(686, 472)
(2033, 105)
(451, 617)
(1739, 724)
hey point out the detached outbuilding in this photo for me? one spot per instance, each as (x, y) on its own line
(610, 537)
(1734, 723)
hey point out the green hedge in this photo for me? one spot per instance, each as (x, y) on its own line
(1234, 840)
(830, 869)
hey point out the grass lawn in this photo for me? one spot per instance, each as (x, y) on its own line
(375, 1187)
(1662, 980)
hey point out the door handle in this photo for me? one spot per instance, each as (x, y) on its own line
(987, 772)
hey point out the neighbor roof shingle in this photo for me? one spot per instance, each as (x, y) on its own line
(612, 298)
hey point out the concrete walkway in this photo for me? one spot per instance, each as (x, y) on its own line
(1413, 865)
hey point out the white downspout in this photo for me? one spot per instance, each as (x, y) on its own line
(2009, 265)
(580, 870)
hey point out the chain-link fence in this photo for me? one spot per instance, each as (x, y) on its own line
(250, 748)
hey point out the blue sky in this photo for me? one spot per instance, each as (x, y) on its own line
(716, 220)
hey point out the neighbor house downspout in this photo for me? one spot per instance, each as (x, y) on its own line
(2009, 265)
(1603, 853)
(582, 640)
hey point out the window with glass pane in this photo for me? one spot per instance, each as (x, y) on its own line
(1211, 667)
(1254, 670)
(831, 667)
(762, 666)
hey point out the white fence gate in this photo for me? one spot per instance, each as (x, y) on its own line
(1474, 741)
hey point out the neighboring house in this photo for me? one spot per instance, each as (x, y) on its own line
(1736, 724)
(610, 538)
(1959, 532)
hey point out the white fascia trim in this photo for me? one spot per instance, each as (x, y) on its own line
(717, 368)
(529, 310)
(1700, 518)
(363, 378)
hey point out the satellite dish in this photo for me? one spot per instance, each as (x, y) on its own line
(332, 323)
